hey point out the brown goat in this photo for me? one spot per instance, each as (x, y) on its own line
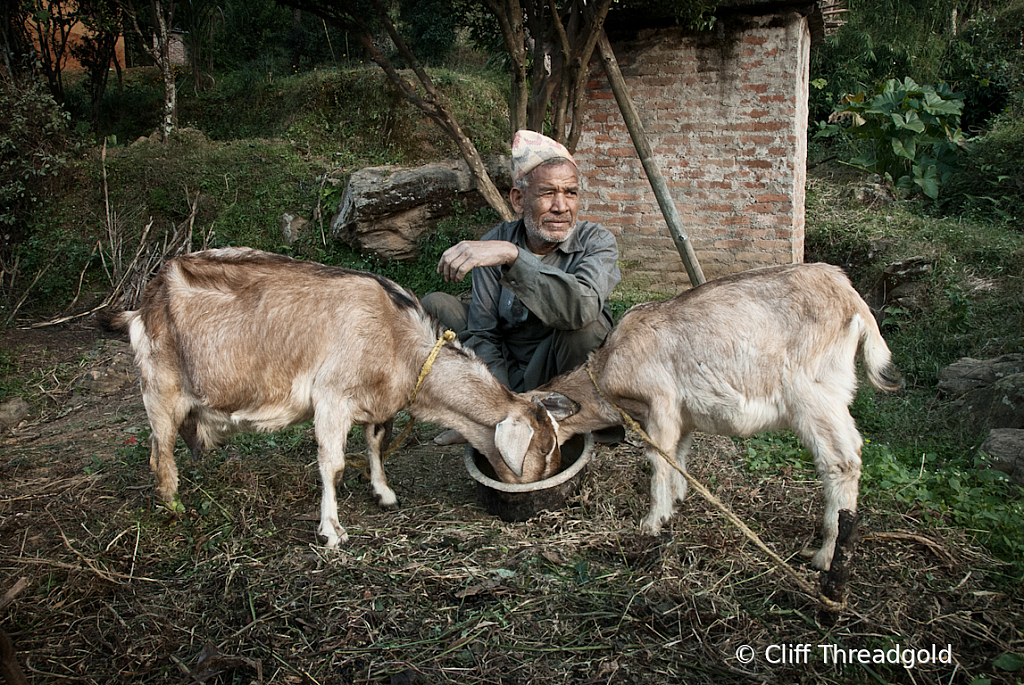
(240, 340)
(759, 350)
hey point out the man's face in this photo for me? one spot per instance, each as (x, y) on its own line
(549, 206)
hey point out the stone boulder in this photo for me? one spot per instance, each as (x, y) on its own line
(986, 393)
(386, 209)
(13, 412)
(968, 374)
(901, 283)
(292, 226)
(872, 195)
(1005, 446)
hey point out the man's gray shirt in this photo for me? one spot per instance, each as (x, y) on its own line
(515, 308)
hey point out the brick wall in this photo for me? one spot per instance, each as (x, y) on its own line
(726, 115)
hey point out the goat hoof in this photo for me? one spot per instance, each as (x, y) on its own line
(387, 499)
(822, 559)
(332, 538)
(652, 527)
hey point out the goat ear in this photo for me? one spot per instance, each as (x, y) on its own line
(512, 438)
(558, 405)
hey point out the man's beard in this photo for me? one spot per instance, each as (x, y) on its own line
(534, 231)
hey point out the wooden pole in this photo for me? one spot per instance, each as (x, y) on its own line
(643, 148)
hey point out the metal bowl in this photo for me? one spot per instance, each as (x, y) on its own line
(521, 501)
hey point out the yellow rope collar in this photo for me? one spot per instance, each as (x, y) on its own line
(357, 460)
(805, 586)
(446, 337)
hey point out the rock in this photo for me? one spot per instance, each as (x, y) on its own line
(900, 285)
(291, 227)
(968, 374)
(118, 371)
(1000, 405)
(13, 412)
(911, 297)
(102, 381)
(1006, 448)
(385, 210)
(872, 195)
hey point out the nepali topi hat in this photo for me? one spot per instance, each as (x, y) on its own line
(531, 149)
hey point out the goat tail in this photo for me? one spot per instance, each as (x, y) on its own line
(876, 356)
(114, 321)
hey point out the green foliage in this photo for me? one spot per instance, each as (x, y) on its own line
(976, 48)
(1009, 662)
(127, 112)
(694, 14)
(271, 157)
(9, 382)
(96, 49)
(910, 133)
(766, 453)
(962, 312)
(35, 142)
(351, 115)
(268, 39)
(432, 28)
(244, 188)
(986, 63)
(990, 182)
(941, 487)
(58, 256)
(944, 487)
(847, 63)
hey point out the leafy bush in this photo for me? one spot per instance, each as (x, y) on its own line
(911, 134)
(990, 181)
(34, 143)
(433, 29)
(985, 63)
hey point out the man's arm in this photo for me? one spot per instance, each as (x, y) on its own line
(461, 258)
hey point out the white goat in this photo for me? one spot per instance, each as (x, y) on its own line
(764, 349)
(237, 339)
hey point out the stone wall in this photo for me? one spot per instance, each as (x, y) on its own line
(726, 114)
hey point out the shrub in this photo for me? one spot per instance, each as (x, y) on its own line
(34, 143)
(990, 182)
(911, 134)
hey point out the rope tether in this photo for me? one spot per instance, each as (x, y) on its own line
(804, 585)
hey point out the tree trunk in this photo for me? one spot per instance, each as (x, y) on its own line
(162, 17)
(510, 20)
(434, 106)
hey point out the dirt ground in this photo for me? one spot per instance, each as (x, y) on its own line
(237, 590)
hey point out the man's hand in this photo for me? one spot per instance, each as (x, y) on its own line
(458, 260)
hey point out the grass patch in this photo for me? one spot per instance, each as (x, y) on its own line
(973, 298)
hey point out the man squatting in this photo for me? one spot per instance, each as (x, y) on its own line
(541, 285)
